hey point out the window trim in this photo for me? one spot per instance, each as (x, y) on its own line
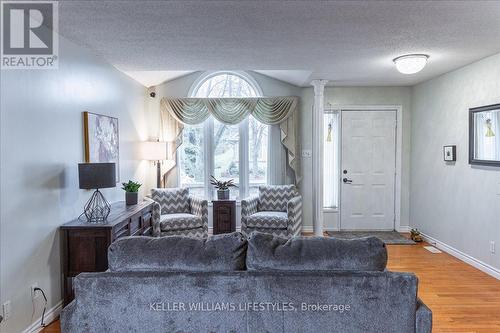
(247, 157)
(208, 142)
(210, 74)
(336, 182)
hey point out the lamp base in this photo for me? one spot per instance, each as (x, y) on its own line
(97, 208)
(158, 174)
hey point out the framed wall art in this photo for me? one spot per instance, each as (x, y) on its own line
(484, 136)
(101, 139)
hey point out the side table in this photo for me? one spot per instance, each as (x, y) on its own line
(224, 216)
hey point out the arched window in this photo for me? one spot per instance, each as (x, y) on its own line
(225, 85)
(238, 152)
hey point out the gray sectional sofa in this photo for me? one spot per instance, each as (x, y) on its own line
(227, 283)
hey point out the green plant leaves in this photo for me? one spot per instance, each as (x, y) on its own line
(131, 186)
(222, 185)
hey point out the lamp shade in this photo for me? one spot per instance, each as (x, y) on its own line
(96, 175)
(154, 150)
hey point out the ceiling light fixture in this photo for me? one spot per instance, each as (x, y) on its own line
(411, 63)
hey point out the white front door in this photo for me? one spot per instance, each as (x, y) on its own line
(368, 170)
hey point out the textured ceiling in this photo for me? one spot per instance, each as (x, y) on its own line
(347, 42)
(153, 78)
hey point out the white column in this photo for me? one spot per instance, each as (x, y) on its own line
(318, 109)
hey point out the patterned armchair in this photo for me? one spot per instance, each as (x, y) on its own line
(277, 210)
(175, 212)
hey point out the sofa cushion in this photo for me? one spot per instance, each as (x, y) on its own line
(180, 221)
(224, 252)
(268, 220)
(276, 197)
(268, 252)
(172, 200)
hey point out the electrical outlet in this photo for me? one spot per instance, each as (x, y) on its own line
(307, 153)
(6, 307)
(492, 247)
(34, 294)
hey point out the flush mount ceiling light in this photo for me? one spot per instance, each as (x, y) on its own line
(411, 63)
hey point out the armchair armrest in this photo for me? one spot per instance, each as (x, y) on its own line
(249, 206)
(294, 211)
(199, 207)
(423, 319)
(156, 219)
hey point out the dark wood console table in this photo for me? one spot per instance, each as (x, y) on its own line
(224, 216)
(85, 245)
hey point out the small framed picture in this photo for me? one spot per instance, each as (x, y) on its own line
(450, 153)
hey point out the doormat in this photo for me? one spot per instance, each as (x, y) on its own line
(388, 237)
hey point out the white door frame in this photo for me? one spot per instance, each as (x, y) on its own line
(399, 153)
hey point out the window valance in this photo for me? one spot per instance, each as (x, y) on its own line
(282, 111)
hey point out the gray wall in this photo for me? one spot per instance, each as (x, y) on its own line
(455, 203)
(41, 144)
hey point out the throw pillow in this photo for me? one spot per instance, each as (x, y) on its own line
(224, 252)
(268, 252)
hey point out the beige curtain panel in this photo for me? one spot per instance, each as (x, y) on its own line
(171, 132)
(176, 112)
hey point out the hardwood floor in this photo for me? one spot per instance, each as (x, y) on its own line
(462, 298)
(54, 327)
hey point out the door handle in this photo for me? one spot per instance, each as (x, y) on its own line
(347, 181)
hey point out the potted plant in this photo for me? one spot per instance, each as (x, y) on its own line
(222, 187)
(131, 192)
(415, 235)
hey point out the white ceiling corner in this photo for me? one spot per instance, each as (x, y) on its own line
(300, 78)
(154, 78)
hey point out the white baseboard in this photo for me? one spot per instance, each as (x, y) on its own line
(310, 228)
(307, 228)
(404, 228)
(50, 316)
(482, 266)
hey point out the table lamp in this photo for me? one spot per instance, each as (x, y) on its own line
(94, 176)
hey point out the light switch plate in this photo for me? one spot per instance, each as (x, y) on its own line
(307, 153)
